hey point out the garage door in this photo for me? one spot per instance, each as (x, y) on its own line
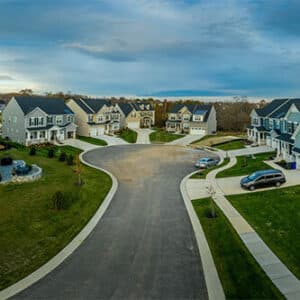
(133, 125)
(197, 130)
(93, 132)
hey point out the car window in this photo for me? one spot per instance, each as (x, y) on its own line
(261, 178)
(270, 176)
(277, 175)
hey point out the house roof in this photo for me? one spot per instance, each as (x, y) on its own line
(126, 108)
(282, 110)
(285, 137)
(269, 108)
(261, 128)
(94, 105)
(83, 106)
(140, 106)
(51, 106)
(297, 150)
(195, 109)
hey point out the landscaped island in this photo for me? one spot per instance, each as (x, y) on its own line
(38, 219)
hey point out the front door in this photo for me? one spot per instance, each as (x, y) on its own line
(53, 134)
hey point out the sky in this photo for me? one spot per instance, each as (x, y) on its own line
(151, 47)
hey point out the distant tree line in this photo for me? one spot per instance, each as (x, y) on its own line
(231, 116)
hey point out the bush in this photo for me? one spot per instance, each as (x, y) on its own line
(32, 151)
(6, 161)
(70, 160)
(0, 177)
(51, 153)
(62, 200)
(63, 156)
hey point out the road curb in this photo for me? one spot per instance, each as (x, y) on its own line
(213, 283)
(71, 247)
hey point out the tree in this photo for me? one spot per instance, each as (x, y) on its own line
(78, 170)
(28, 92)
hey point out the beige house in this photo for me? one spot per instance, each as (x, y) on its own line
(136, 114)
(95, 117)
(192, 119)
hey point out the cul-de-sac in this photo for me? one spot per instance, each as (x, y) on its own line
(149, 150)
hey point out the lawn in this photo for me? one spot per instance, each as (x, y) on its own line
(31, 230)
(232, 145)
(160, 136)
(128, 135)
(241, 276)
(275, 215)
(202, 174)
(91, 140)
(221, 136)
(246, 165)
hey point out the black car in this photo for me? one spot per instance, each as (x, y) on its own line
(263, 179)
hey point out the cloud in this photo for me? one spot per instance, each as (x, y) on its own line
(5, 77)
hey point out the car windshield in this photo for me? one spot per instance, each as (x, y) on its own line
(204, 159)
(253, 176)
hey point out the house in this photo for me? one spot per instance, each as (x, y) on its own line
(34, 120)
(192, 119)
(2, 106)
(95, 117)
(277, 125)
(137, 114)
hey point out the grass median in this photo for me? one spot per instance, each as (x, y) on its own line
(240, 275)
(92, 140)
(128, 135)
(32, 231)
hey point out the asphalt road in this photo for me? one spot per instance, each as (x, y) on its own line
(144, 246)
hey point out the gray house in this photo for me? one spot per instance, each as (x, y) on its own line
(34, 120)
(192, 119)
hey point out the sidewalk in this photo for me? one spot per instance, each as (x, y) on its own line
(79, 144)
(186, 140)
(143, 135)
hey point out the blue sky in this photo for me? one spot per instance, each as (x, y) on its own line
(151, 47)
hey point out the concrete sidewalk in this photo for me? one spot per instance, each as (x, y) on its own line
(111, 140)
(79, 144)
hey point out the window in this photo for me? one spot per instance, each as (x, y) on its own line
(59, 119)
(100, 118)
(90, 119)
(42, 134)
(36, 121)
(50, 120)
(69, 118)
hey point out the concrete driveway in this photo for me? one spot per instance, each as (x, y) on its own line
(79, 144)
(111, 140)
(249, 151)
(231, 185)
(144, 246)
(143, 135)
(186, 140)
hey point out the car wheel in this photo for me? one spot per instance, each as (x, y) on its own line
(278, 184)
(252, 188)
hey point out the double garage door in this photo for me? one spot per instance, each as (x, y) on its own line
(133, 125)
(96, 131)
(197, 130)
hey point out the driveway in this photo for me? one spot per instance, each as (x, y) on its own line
(144, 246)
(231, 185)
(143, 135)
(79, 144)
(249, 151)
(186, 140)
(111, 140)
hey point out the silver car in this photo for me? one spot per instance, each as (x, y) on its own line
(206, 162)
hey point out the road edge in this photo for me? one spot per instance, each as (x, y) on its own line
(213, 284)
(59, 258)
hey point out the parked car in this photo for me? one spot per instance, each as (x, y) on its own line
(262, 179)
(206, 162)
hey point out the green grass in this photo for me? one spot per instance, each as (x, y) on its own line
(220, 134)
(31, 231)
(247, 165)
(275, 215)
(161, 136)
(91, 140)
(241, 276)
(232, 145)
(203, 173)
(128, 135)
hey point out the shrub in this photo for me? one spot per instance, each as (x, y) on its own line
(6, 161)
(51, 153)
(62, 200)
(0, 177)
(32, 151)
(70, 160)
(58, 200)
(63, 156)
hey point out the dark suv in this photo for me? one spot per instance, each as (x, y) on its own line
(262, 179)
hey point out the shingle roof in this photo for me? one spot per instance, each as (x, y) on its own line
(83, 106)
(269, 108)
(96, 104)
(126, 108)
(285, 137)
(297, 150)
(51, 106)
(200, 109)
(138, 106)
(281, 111)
